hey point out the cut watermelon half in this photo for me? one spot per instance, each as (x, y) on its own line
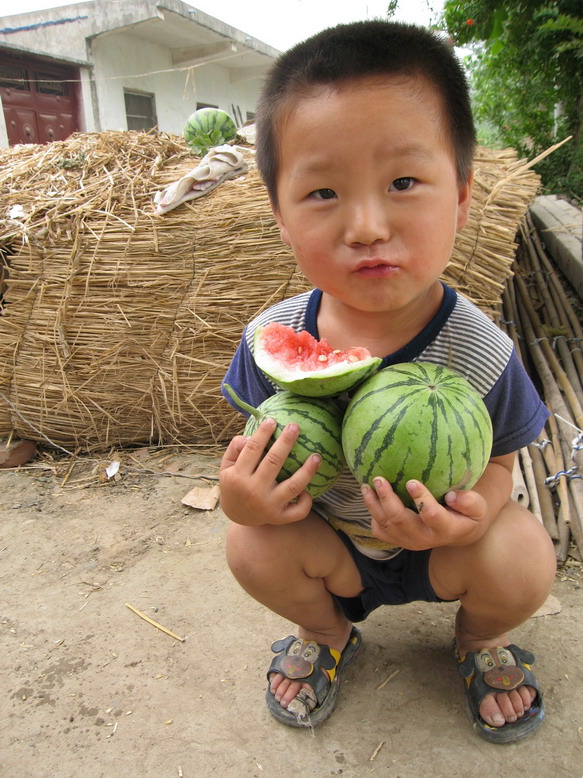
(296, 361)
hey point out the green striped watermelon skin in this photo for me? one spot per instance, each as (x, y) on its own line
(417, 420)
(208, 127)
(320, 423)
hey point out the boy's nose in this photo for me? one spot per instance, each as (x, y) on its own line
(366, 223)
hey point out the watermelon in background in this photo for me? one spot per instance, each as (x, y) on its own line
(208, 127)
(417, 420)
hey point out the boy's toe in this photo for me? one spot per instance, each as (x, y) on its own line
(491, 711)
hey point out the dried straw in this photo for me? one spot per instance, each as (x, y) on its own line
(118, 324)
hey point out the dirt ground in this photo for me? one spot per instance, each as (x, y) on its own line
(90, 689)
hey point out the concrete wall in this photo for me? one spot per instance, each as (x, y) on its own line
(142, 65)
(64, 39)
(88, 119)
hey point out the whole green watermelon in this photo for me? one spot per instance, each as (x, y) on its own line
(320, 421)
(208, 127)
(417, 420)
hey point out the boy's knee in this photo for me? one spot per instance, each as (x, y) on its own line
(515, 558)
(522, 542)
(525, 533)
(241, 545)
(250, 549)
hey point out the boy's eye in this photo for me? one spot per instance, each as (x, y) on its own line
(323, 194)
(402, 184)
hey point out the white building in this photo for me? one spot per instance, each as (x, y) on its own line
(122, 64)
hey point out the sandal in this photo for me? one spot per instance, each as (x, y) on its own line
(500, 669)
(317, 664)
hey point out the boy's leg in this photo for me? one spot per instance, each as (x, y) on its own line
(500, 581)
(291, 569)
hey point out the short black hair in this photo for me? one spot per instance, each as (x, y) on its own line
(360, 50)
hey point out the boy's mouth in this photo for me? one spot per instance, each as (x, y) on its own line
(375, 268)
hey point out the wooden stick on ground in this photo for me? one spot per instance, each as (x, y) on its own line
(154, 623)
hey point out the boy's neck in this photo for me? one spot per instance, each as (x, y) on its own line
(383, 333)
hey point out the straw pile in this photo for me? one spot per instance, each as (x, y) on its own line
(117, 325)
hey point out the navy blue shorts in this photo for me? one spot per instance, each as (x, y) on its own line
(396, 581)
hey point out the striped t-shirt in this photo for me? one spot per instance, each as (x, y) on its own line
(460, 337)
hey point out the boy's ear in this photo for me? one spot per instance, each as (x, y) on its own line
(282, 230)
(464, 202)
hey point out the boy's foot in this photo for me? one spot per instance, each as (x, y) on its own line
(502, 693)
(300, 703)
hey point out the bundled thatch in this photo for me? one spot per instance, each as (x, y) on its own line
(117, 325)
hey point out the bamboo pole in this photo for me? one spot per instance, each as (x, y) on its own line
(545, 499)
(555, 367)
(568, 316)
(556, 405)
(554, 327)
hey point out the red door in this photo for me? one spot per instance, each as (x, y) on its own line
(39, 98)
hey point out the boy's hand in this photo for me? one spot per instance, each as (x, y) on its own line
(249, 492)
(460, 523)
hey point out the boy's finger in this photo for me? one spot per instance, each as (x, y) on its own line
(254, 448)
(468, 503)
(382, 503)
(298, 509)
(425, 502)
(232, 452)
(274, 458)
(293, 487)
(389, 499)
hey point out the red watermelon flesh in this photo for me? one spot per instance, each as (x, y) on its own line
(298, 362)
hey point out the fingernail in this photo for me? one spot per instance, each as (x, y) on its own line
(316, 458)
(364, 490)
(413, 487)
(450, 498)
(378, 482)
(293, 427)
(269, 421)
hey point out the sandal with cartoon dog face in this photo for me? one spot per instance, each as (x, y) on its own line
(498, 669)
(315, 664)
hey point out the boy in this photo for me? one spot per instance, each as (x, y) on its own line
(365, 143)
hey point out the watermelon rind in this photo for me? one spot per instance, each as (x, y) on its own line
(325, 382)
(208, 127)
(417, 420)
(320, 422)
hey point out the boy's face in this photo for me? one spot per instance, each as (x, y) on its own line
(368, 194)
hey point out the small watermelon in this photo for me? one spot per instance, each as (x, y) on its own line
(298, 362)
(417, 420)
(208, 127)
(320, 423)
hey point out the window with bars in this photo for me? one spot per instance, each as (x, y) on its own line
(12, 77)
(140, 110)
(50, 84)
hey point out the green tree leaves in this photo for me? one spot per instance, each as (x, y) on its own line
(526, 70)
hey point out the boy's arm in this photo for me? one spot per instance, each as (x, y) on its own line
(466, 516)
